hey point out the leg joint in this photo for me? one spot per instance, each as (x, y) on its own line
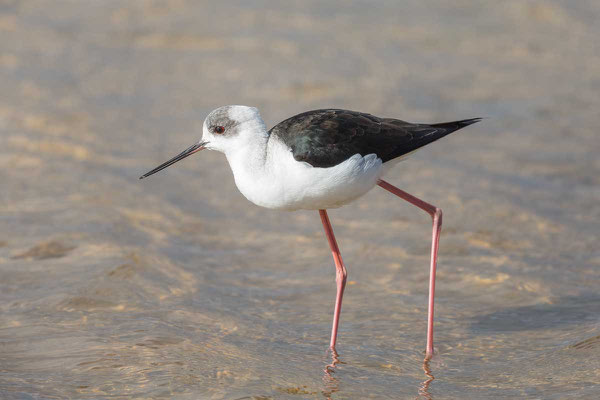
(341, 275)
(437, 215)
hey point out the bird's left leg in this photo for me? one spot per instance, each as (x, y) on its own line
(340, 275)
(436, 216)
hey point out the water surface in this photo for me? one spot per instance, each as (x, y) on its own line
(177, 287)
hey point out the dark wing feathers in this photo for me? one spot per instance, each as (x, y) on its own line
(324, 138)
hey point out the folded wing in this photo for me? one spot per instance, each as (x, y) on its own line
(324, 138)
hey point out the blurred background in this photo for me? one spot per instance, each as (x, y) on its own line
(177, 287)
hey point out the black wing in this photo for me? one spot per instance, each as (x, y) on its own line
(324, 138)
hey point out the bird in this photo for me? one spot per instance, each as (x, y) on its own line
(318, 160)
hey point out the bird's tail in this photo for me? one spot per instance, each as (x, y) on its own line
(450, 127)
(423, 134)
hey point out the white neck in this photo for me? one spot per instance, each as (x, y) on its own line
(248, 157)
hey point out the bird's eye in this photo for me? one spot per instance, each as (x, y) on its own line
(219, 129)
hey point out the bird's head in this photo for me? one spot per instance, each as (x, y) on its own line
(230, 127)
(225, 129)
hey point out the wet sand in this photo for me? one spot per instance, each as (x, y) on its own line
(177, 287)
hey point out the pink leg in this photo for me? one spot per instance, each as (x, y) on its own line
(340, 275)
(436, 215)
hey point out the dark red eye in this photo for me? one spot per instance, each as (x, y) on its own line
(219, 129)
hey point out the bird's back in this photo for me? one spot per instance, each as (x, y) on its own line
(325, 138)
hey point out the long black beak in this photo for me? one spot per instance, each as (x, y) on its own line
(187, 152)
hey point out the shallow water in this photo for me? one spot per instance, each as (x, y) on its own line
(177, 287)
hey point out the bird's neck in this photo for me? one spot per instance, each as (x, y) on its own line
(248, 158)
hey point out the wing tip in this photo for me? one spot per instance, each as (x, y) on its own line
(456, 125)
(469, 121)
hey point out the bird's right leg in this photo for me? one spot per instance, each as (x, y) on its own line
(436, 216)
(340, 275)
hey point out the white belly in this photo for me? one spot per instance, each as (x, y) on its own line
(286, 184)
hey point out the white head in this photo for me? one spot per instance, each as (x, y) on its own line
(225, 129)
(231, 127)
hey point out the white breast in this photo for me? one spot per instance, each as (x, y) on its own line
(281, 182)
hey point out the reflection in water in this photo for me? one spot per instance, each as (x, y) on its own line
(330, 382)
(424, 388)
